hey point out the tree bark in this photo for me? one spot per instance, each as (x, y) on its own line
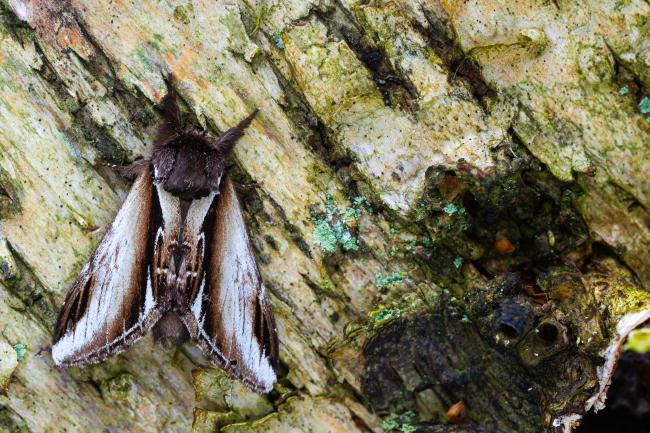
(450, 202)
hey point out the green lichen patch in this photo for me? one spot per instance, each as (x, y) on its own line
(386, 280)
(20, 350)
(328, 236)
(336, 228)
(451, 209)
(277, 39)
(399, 422)
(383, 314)
(644, 105)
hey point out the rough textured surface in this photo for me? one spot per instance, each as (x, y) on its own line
(468, 178)
(8, 363)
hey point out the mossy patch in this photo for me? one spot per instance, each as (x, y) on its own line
(181, 13)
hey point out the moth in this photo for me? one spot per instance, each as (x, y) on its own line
(177, 258)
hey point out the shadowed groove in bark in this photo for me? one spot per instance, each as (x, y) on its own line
(305, 121)
(9, 195)
(11, 422)
(395, 90)
(459, 65)
(36, 301)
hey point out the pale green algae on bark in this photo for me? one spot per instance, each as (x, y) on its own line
(568, 108)
(388, 148)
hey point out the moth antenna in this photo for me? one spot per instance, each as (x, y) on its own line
(228, 139)
(170, 104)
(172, 124)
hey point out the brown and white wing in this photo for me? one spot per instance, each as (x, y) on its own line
(115, 300)
(227, 310)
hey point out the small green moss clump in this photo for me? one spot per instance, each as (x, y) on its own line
(180, 14)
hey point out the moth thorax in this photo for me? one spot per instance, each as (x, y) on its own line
(170, 331)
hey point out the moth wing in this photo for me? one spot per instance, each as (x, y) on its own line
(113, 302)
(228, 312)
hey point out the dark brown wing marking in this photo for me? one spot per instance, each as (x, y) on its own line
(112, 302)
(229, 314)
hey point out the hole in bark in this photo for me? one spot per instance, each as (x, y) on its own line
(548, 332)
(628, 403)
(470, 204)
(508, 331)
